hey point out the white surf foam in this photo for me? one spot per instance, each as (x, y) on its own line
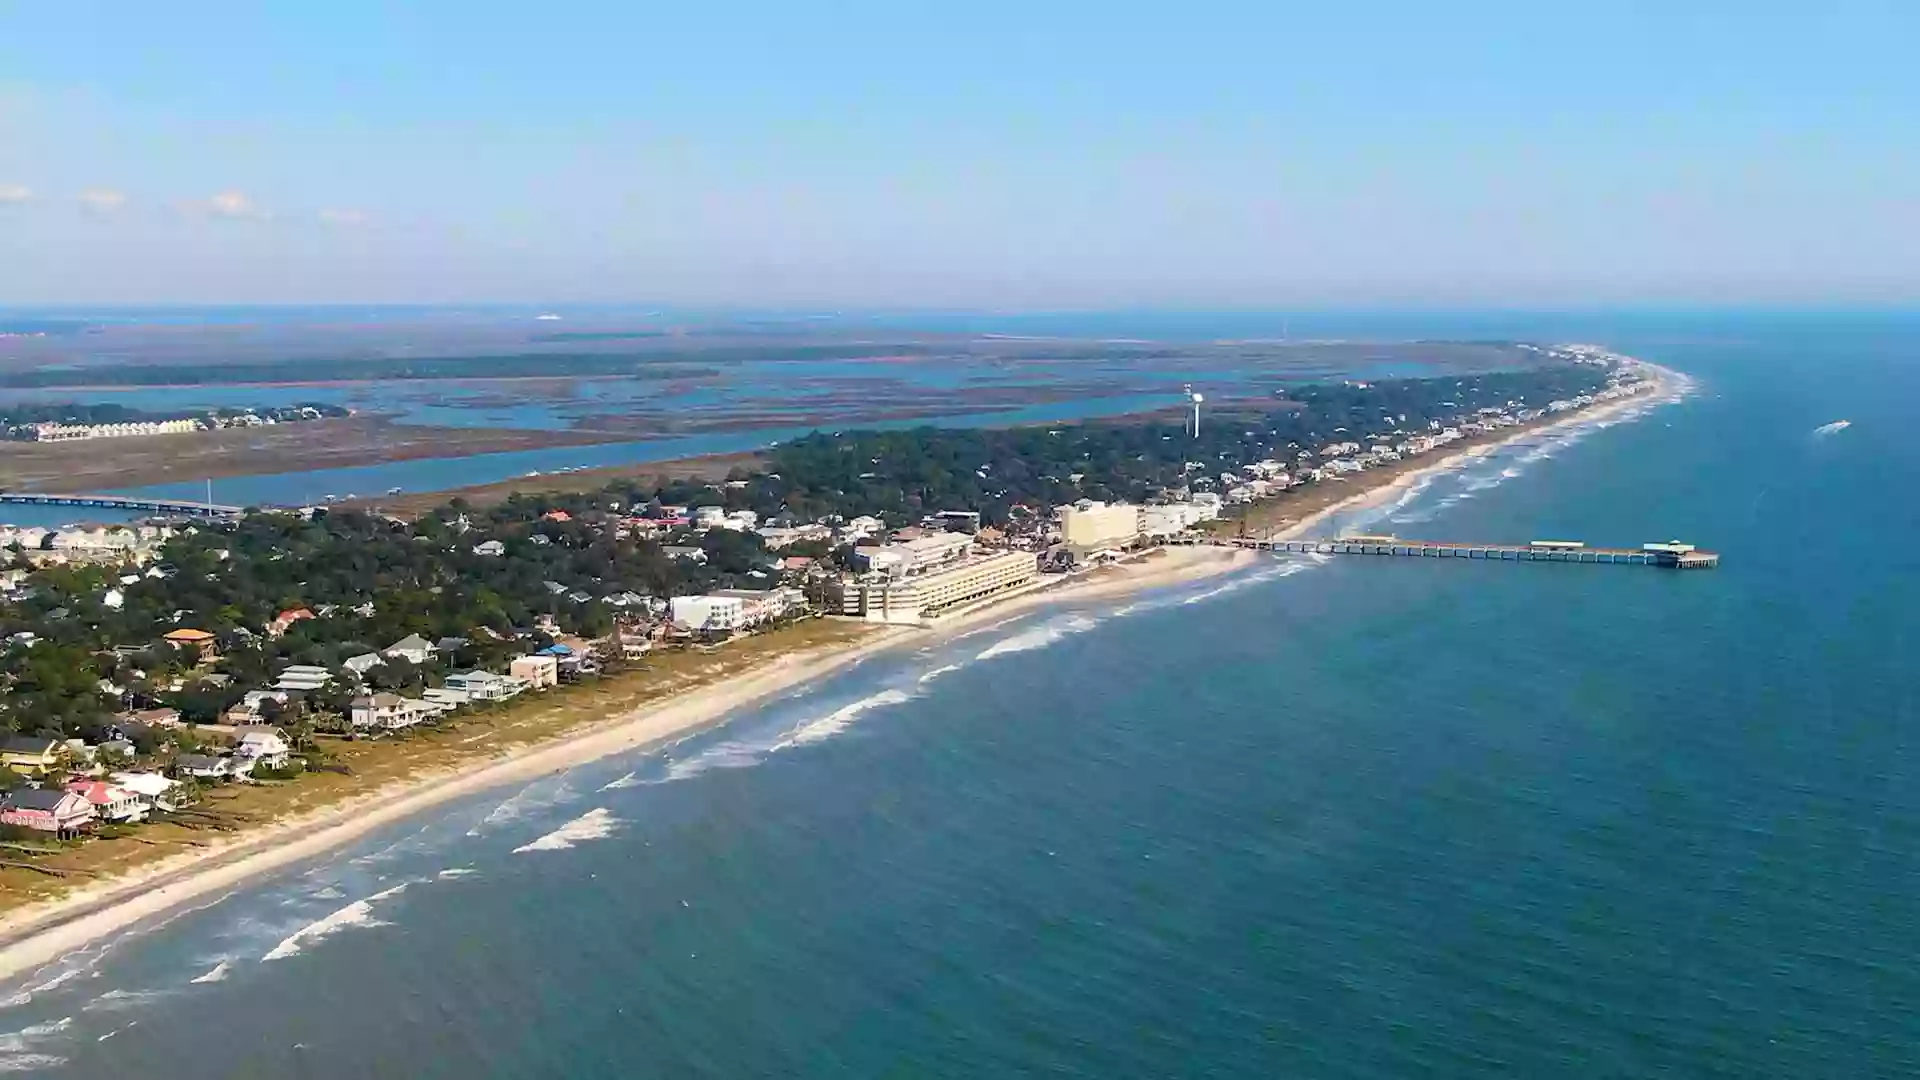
(15, 1041)
(1040, 637)
(20, 1051)
(627, 781)
(596, 824)
(944, 669)
(732, 754)
(219, 973)
(358, 913)
(26, 994)
(122, 1000)
(454, 872)
(528, 800)
(1283, 570)
(840, 719)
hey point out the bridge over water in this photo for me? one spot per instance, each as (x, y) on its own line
(179, 507)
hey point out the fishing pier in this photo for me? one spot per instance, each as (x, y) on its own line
(1671, 554)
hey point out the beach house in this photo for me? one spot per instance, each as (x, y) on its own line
(29, 755)
(303, 678)
(484, 685)
(444, 699)
(156, 791)
(539, 672)
(50, 810)
(413, 648)
(111, 802)
(265, 749)
(199, 642)
(203, 766)
(380, 712)
(285, 621)
(363, 663)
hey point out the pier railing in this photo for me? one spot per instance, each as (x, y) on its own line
(1672, 555)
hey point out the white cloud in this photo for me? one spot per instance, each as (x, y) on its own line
(344, 216)
(232, 205)
(102, 200)
(14, 193)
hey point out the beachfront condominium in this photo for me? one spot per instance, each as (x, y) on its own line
(916, 596)
(1088, 526)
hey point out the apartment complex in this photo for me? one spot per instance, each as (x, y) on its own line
(913, 597)
(1090, 526)
(914, 556)
(734, 609)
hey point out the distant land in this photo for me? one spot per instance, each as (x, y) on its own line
(443, 389)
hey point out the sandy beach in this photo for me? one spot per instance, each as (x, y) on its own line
(37, 934)
(40, 933)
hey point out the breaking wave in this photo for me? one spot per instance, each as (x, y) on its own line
(596, 824)
(219, 973)
(1047, 633)
(1283, 570)
(528, 800)
(119, 1000)
(358, 913)
(731, 754)
(840, 719)
(627, 781)
(18, 1049)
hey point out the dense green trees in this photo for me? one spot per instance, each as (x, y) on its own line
(373, 580)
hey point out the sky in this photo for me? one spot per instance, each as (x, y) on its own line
(1025, 156)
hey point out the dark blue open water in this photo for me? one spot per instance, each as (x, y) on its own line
(1371, 819)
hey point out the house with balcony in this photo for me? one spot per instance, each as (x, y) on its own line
(111, 803)
(48, 810)
(485, 685)
(30, 755)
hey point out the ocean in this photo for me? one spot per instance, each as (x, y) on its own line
(1326, 818)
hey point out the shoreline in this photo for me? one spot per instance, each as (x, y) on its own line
(41, 933)
(37, 934)
(1667, 386)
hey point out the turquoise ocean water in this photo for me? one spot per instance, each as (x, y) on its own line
(1369, 818)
